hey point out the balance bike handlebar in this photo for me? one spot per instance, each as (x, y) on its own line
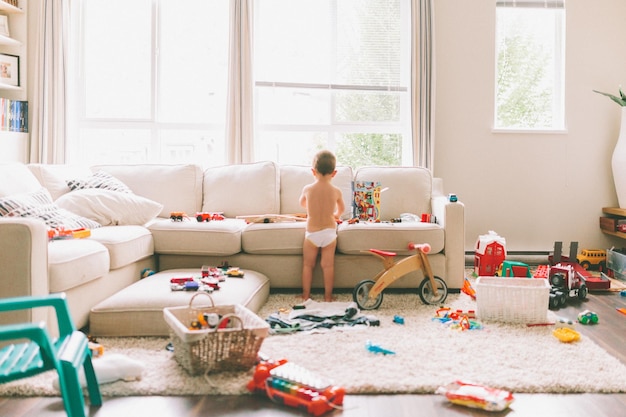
(424, 247)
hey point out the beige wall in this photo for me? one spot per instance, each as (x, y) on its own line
(532, 189)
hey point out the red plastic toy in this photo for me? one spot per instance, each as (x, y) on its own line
(294, 386)
(207, 217)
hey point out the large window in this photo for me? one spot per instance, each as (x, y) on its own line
(152, 81)
(333, 74)
(530, 51)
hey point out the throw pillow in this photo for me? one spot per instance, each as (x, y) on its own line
(99, 179)
(38, 204)
(110, 207)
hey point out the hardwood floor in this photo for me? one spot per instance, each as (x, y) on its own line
(610, 333)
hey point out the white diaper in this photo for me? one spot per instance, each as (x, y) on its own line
(322, 238)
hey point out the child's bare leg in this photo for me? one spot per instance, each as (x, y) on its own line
(309, 258)
(328, 268)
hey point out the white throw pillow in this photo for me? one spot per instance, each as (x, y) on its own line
(110, 207)
(38, 204)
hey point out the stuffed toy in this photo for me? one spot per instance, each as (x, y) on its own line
(110, 368)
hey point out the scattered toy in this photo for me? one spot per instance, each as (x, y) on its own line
(566, 335)
(292, 385)
(476, 396)
(398, 319)
(588, 317)
(377, 349)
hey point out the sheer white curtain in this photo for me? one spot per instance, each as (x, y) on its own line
(240, 118)
(423, 82)
(49, 81)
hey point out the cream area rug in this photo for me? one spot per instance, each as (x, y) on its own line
(428, 354)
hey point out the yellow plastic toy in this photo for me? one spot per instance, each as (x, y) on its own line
(566, 335)
(368, 294)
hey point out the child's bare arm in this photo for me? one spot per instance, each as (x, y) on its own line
(303, 197)
(340, 205)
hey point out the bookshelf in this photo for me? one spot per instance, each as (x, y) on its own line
(14, 144)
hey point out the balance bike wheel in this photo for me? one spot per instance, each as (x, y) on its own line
(361, 295)
(426, 292)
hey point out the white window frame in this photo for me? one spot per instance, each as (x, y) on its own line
(558, 98)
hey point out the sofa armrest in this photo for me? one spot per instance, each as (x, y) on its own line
(23, 264)
(451, 216)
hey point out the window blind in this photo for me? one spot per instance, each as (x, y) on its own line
(541, 4)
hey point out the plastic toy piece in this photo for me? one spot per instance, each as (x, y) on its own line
(588, 317)
(566, 335)
(476, 396)
(377, 349)
(368, 294)
(514, 269)
(235, 272)
(62, 233)
(203, 216)
(178, 216)
(621, 310)
(295, 386)
(272, 218)
(398, 319)
(468, 289)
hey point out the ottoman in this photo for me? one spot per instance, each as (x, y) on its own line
(137, 310)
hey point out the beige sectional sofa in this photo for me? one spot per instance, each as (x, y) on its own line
(138, 234)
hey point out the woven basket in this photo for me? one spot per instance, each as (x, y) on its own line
(513, 300)
(234, 348)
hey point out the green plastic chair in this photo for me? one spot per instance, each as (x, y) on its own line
(33, 351)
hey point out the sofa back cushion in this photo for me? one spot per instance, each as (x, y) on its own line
(54, 177)
(242, 189)
(16, 179)
(294, 177)
(176, 187)
(405, 189)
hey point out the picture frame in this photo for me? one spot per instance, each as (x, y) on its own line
(10, 70)
(4, 25)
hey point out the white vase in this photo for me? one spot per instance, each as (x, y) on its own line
(618, 163)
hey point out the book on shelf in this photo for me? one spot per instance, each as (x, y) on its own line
(13, 115)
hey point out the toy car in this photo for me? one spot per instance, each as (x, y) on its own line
(588, 317)
(178, 216)
(207, 217)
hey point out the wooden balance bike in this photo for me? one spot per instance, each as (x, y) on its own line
(368, 294)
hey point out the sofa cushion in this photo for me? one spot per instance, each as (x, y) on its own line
(74, 262)
(245, 189)
(16, 179)
(406, 189)
(130, 313)
(110, 207)
(189, 237)
(395, 237)
(54, 177)
(283, 238)
(177, 187)
(38, 204)
(294, 177)
(126, 244)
